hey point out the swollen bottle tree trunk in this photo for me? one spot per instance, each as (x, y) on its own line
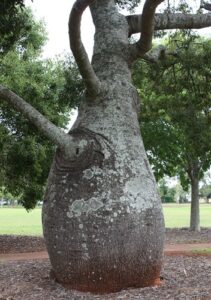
(102, 215)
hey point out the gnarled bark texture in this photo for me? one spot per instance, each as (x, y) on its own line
(102, 215)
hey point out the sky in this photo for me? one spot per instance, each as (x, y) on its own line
(55, 14)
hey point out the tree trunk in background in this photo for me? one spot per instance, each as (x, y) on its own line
(195, 213)
(102, 216)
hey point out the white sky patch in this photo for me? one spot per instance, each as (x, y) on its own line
(56, 15)
(73, 117)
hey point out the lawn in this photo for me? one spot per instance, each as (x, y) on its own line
(18, 221)
(178, 215)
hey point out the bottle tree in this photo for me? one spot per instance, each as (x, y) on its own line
(102, 215)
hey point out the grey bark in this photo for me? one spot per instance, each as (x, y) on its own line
(102, 216)
(90, 79)
(171, 21)
(147, 27)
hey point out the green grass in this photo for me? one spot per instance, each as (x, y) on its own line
(202, 251)
(18, 221)
(178, 215)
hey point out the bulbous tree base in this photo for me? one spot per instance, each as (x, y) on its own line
(108, 252)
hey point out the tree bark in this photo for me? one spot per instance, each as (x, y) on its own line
(195, 212)
(90, 79)
(102, 216)
(171, 21)
(193, 173)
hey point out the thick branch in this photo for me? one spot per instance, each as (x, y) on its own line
(91, 81)
(155, 54)
(159, 53)
(56, 135)
(147, 25)
(171, 21)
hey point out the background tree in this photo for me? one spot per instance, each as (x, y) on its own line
(102, 215)
(167, 193)
(205, 191)
(15, 23)
(53, 87)
(176, 116)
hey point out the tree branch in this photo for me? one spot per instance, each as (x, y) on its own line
(155, 54)
(147, 24)
(158, 53)
(51, 131)
(91, 81)
(171, 21)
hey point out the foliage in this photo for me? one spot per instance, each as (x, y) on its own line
(130, 5)
(25, 155)
(16, 25)
(167, 194)
(176, 115)
(5, 195)
(205, 190)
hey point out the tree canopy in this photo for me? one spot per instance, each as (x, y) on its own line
(176, 115)
(16, 25)
(53, 87)
(175, 118)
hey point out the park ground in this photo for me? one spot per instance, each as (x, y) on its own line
(20, 222)
(185, 275)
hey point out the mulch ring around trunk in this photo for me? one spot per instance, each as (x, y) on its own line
(185, 275)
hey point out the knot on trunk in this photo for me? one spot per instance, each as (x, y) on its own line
(88, 152)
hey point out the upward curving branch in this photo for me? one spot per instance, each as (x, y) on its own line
(91, 80)
(147, 25)
(51, 131)
(171, 21)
